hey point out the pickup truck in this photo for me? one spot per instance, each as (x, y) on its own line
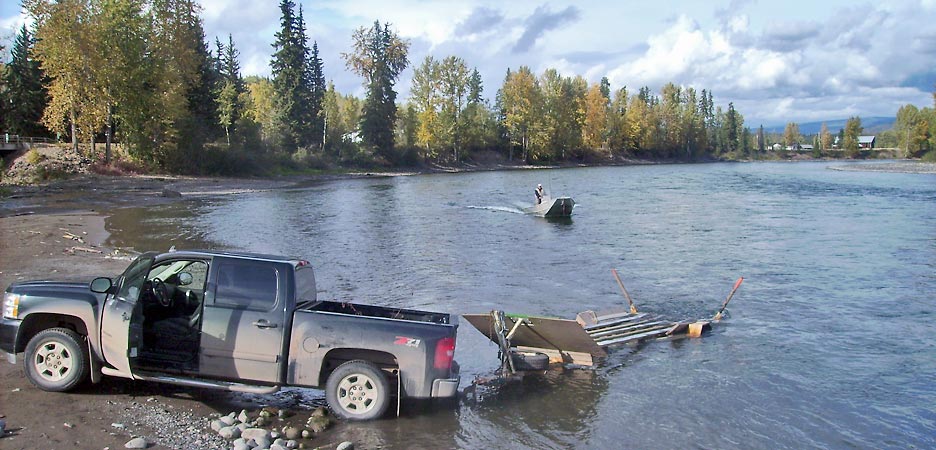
(235, 321)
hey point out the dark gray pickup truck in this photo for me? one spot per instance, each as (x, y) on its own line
(235, 321)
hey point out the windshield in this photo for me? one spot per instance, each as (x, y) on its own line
(133, 278)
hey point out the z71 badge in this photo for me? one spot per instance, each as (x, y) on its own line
(407, 341)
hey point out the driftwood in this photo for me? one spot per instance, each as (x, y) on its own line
(83, 249)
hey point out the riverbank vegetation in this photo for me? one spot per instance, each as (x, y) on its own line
(143, 74)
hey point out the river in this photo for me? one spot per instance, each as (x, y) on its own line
(828, 343)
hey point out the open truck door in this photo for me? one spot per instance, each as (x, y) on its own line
(117, 315)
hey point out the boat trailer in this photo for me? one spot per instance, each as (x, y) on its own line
(528, 345)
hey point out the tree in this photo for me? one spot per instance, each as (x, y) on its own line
(425, 97)
(825, 137)
(853, 129)
(379, 56)
(618, 128)
(260, 105)
(25, 97)
(232, 88)
(64, 47)
(520, 98)
(454, 79)
(316, 91)
(791, 135)
(596, 118)
(761, 140)
(189, 79)
(733, 124)
(298, 83)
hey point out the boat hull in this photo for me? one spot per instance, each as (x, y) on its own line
(558, 207)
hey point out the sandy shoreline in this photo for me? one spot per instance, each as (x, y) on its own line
(890, 167)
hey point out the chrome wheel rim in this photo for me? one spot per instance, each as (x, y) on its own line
(357, 393)
(53, 361)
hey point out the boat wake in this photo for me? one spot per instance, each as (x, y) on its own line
(506, 209)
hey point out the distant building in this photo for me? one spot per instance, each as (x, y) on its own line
(866, 142)
(807, 147)
(776, 147)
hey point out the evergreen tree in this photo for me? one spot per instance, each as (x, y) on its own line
(379, 56)
(232, 88)
(732, 127)
(761, 140)
(298, 82)
(288, 64)
(316, 89)
(25, 97)
(475, 87)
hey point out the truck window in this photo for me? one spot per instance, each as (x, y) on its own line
(133, 279)
(247, 285)
(305, 284)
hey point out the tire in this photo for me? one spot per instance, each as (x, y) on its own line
(358, 390)
(530, 360)
(56, 360)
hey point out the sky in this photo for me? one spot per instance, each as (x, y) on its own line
(777, 61)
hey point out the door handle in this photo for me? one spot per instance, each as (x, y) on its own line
(263, 323)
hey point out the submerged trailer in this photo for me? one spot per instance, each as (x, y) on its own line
(529, 344)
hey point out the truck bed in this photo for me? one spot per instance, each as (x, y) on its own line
(356, 309)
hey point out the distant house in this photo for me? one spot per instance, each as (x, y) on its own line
(807, 147)
(776, 147)
(866, 142)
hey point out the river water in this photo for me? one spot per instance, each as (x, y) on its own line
(829, 342)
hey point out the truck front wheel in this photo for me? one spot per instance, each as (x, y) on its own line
(56, 360)
(358, 390)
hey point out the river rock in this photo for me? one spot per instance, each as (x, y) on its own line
(277, 447)
(242, 426)
(291, 433)
(243, 416)
(217, 425)
(240, 445)
(319, 412)
(292, 443)
(228, 419)
(169, 193)
(280, 442)
(262, 442)
(306, 434)
(230, 432)
(346, 445)
(254, 433)
(318, 424)
(137, 442)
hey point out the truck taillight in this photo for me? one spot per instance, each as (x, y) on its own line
(444, 353)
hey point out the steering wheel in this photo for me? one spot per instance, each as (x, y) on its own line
(159, 290)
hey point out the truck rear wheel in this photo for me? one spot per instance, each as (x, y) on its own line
(358, 390)
(55, 360)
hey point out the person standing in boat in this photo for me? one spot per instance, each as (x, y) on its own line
(539, 193)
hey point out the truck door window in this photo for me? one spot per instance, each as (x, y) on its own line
(247, 285)
(133, 279)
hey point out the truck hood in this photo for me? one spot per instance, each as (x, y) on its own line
(36, 292)
(26, 287)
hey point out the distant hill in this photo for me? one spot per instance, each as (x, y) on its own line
(872, 125)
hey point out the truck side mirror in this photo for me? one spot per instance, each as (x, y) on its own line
(185, 278)
(101, 285)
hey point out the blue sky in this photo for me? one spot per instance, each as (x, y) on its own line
(778, 62)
